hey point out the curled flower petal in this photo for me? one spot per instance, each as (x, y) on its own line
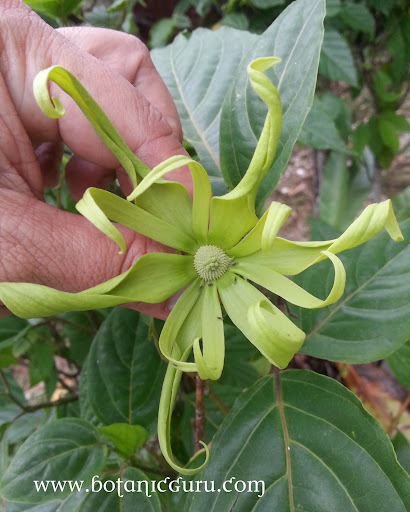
(153, 278)
(275, 336)
(99, 205)
(272, 333)
(291, 258)
(93, 112)
(210, 360)
(166, 405)
(201, 196)
(239, 205)
(290, 291)
(182, 327)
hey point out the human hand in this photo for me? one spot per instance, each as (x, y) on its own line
(39, 243)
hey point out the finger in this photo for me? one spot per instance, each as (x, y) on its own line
(130, 58)
(80, 175)
(143, 128)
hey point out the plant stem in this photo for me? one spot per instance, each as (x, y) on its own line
(199, 433)
(32, 408)
(8, 390)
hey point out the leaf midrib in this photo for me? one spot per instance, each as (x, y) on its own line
(192, 119)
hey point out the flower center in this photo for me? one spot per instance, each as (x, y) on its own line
(211, 262)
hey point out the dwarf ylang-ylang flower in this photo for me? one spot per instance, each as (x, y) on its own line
(221, 246)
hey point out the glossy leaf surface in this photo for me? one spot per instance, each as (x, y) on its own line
(312, 444)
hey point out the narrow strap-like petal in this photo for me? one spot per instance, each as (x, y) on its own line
(290, 291)
(210, 360)
(182, 327)
(153, 278)
(369, 224)
(99, 205)
(93, 112)
(201, 196)
(272, 333)
(239, 205)
(168, 200)
(166, 406)
(291, 258)
(263, 234)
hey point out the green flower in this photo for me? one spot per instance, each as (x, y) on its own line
(221, 247)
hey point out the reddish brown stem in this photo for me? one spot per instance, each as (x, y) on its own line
(199, 434)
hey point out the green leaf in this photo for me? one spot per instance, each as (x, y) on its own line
(361, 137)
(399, 363)
(383, 87)
(388, 134)
(399, 122)
(401, 204)
(86, 409)
(402, 448)
(66, 449)
(8, 408)
(202, 7)
(10, 327)
(117, 5)
(372, 319)
(161, 32)
(343, 191)
(130, 502)
(398, 46)
(100, 17)
(236, 20)
(25, 425)
(336, 61)
(4, 450)
(333, 190)
(266, 4)
(41, 367)
(6, 353)
(358, 17)
(333, 8)
(384, 6)
(339, 112)
(295, 37)
(124, 372)
(311, 443)
(79, 329)
(54, 8)
(238, 370)
(320, 132)
(384, 155)
(126, 438)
